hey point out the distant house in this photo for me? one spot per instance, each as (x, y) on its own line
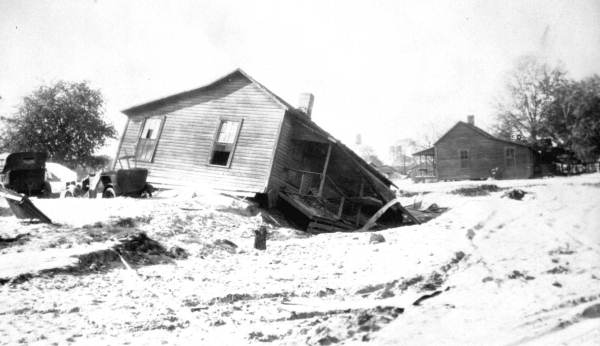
(235, 135)
(468, 152)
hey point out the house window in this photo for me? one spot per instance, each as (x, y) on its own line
(148, 139)
(464, 158)
(509, 154)
(225, 141)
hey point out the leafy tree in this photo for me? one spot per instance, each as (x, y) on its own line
(573, 119)
(530, 89)
(63, 119)
(97, 162)
(542, 103)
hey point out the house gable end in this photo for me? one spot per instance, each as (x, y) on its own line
(195, 93)
(455, 129)
(192, 121)
(479, 132)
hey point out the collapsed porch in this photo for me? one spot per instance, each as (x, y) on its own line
(328, 188)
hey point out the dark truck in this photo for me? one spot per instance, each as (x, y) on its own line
(129, 182)
(25, 173)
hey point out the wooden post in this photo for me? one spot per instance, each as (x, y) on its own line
(435, 173)
(360, 194)
(303, 184)
(341, 209)
(260, 238)
(272, 195)
(322, 185)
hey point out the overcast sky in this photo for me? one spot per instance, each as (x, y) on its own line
(385, 69)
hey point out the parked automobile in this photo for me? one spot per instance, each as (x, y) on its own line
(26, 173)
(29, 173)
(129, 182)
(62, 180)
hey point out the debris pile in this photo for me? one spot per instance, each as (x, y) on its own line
(480, 190)
(135, 249)
(132, 250)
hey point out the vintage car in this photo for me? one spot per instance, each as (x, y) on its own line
(29, 173)
(129, 182)
(26, 173)
(60, 178)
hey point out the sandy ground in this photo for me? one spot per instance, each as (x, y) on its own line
(491, 270)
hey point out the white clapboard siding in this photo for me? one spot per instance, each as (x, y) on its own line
(191, 121)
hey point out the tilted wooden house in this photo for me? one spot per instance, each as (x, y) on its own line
(235, 135)
(468, 152)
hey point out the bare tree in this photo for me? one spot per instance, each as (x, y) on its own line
(573, 121)
(427, 136)
(530, 88)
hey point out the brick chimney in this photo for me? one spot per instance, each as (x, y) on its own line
(305, 103)
(471, 120)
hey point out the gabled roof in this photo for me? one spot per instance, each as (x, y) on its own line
(167, 99)
(483, 133)
(425, 152)
(298, 114)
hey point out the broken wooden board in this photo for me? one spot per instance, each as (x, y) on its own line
(383, 209)
(297, 205)
(22, 206)
(366, 200)
(310, 206)
(323, 225)
(426, 215)
(319, 221)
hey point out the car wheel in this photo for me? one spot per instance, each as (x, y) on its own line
(109, 192)
(147, 192)
(68, 194)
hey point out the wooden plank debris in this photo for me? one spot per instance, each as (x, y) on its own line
(366, 200)
(22, 206)
(383, 209)
(320, 225)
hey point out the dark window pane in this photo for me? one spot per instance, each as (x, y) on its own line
(224, 143)
(219, 158)
(464, 159)
(510, 157)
